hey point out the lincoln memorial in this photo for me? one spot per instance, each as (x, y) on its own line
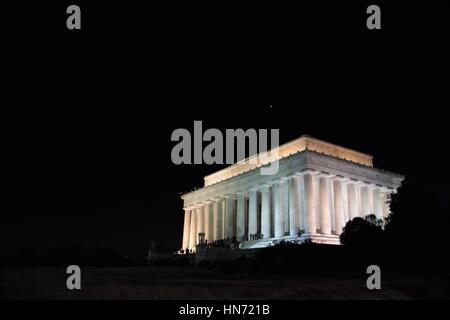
(319, 187)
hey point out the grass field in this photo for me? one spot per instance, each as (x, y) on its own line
(187, 283)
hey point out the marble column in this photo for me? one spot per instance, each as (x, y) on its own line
(339, 204)
(252, 212)
(370, 195)
(284, 194)
(265, 211)
(325, 207)
(278, 209)
(294, 209)
(308, 190)
(211, 221)
(377, 208)
(352, 200)
(229, 216)
(224, 213)
(316, 195)
(206, 220)
(186, 229)
(359, 212)
(200, 219)
(193, 230)
(331, 202)
(344, 188)
(301, 216)
(218, 219)
(240, 221)
(365, 207)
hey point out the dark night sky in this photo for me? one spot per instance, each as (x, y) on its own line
(89, 122)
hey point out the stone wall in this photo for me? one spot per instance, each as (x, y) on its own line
(287, 149)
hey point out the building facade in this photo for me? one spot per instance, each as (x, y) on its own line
(319, 186)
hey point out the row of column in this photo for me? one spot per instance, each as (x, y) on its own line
(311, 201)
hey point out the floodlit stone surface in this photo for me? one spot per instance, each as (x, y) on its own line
(319, 187)
(287, 149)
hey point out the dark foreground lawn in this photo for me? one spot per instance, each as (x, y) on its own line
(187, 283)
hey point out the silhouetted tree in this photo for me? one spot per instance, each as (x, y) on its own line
(416, 229)
(362, 233)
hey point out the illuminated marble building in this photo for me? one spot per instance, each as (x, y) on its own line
(318, 188)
